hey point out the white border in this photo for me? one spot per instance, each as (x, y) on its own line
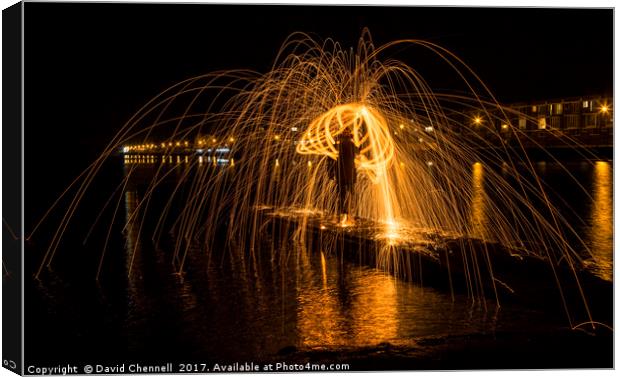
(462, 3)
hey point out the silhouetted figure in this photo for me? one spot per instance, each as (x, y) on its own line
(345, 170)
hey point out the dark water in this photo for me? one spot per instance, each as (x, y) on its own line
(234, 305)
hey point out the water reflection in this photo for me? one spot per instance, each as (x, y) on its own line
(131, 203)
(137, 303)
(600, 233)
(478, 220)
(375, 309)
(340, 304)
(236, 302)
(320, 320)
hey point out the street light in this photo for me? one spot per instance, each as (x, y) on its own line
(604, 109)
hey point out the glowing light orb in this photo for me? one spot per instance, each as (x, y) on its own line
(368, 128)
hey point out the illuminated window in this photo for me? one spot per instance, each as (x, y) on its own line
(534, 109)
(542, 123)
(558, 109)
(586, 104)
(522, 123)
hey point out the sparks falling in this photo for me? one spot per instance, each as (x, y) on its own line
(414, 165)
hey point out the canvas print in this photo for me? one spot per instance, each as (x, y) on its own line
(204, 188)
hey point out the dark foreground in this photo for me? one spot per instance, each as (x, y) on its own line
(552, 350)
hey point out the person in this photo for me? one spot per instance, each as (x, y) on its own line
(345, 170)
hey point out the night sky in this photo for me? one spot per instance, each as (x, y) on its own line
(89, 67)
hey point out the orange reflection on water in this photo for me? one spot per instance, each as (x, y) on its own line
(478, 219)
(324, 270)
(320, 321)
(344, 308)
(375, 316)
(600, 234)
(135, 282)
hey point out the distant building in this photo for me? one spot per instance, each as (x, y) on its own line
(585, 121)
(584, 113)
